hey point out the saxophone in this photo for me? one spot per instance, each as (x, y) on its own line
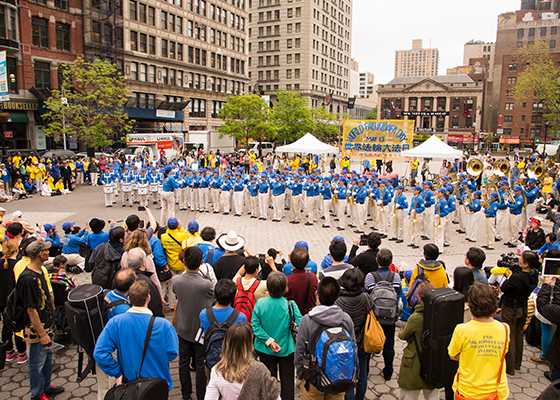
(382, 195)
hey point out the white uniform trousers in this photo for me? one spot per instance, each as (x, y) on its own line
(204, 193)
(310, 209)
(183, 198)
(383, 223)
(194, 199)
(263, 205)
(283, 207)
(416, 230)
(167, 206)
(94, 178)
(464, 218)
(226, 201)
(216, 201)
(490, 231)
(473, 225)
(439, 231)
(277, 206)
(341, 215)
(327, 211)
(398, 224)
(448, 228)
(254, 201)
(296, 207)
(427, 225)
(514, 223)
(360, 210)
(127, 197)
(375, 214)
(352, 213)
(108, 199)
(154, 197)
(143, 200)
(501, 216)
(238, 202)
(288, 199)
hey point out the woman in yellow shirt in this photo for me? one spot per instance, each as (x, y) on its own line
(59, 187)
(547, 183)
(259, 164)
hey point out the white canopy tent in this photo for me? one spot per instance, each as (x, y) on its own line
(307, 144)
(435, 148)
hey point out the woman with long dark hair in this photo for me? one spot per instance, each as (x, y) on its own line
(516, 291)
(463, 279)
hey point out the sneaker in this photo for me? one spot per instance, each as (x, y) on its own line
(11, 357)
(22, 359)
(54, 390)
(540, 360)
(43, 396)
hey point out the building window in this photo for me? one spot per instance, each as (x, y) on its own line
(519, 45)
(441, 103)
(42, 75)
(413, 103)
(290, 12)
(62, 36)
(289, 43)
(143, 72)
(133, 7)
(531, 31)
(197, 108)
(536, 119)
(133, 40)
(164, 47)
(142, 13)
(288, 74)
(553, 30)
(455, 122)
(134, 71)
(40, 30)
(511, 80)
(552, 43)
(152, 45)
(456, 104)
(143, 42)
(520, 33)
(508, 118)
(151, 16)
(180, 51)
(440, 122)
(512, 67)
(163, 20)
(152, 73)
(543, 31)
(427, 104)
(509, 106)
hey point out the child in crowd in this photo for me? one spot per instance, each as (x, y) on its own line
(406, 310)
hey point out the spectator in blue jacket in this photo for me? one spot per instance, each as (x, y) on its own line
(310, 267)
(97, 236)
(550, 244)
(71, 241)
(126, 334)
(210, 253)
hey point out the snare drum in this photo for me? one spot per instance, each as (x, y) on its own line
(108, 189)
(160, 189)
(153, 187)
(142, 190)
(127, 187)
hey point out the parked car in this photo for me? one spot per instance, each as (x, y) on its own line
(97, 154)
(58, 153)
(264, 147)
(24, 152)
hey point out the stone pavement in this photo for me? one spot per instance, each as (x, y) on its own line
(87, 202)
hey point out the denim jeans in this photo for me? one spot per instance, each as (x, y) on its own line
(40, 368)
(546, 337)
(388, 350)
(360, 392)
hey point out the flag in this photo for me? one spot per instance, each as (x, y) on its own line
(466, 111)
(329, 99)
(387, 114)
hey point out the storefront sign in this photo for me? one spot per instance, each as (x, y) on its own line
(40, 139)
(165, 114)
(425, 113)
(4, 93)
(380, 138)
(8, 134)
(19, 105)
(426, 130)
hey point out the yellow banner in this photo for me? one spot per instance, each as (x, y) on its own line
(377, 138)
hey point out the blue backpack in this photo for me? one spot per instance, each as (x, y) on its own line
(331, 361)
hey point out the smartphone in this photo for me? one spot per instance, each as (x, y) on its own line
(141, 208)
(142, 223)
(261, 256)
(363, 240)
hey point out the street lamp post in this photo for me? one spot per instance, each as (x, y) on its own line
(545, 134)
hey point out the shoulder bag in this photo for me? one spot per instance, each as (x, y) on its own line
(141, 388)
(293, 323)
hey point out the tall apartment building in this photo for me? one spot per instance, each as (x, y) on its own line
(417, 61)
(478, 49)
(304, 46)
(524, 123)
(181, 58)
(366, 84)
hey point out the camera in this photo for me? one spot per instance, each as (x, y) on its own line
(509, 261)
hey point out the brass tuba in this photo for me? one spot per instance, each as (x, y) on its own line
(536, 169)
(501, 167)
(475, 167)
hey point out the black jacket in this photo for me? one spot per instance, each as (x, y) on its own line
(518, 288)
(535, 240)
(551, 311)
(356, 305)
(155, 304)
(366, 261)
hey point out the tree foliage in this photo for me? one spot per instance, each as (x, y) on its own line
(292, 117)
(94, 112)
(247, 117)
(540, 79)
(372, 114)
(326, 124)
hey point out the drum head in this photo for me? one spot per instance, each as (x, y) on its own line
(84, 292)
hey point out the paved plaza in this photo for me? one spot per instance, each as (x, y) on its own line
(87, 202)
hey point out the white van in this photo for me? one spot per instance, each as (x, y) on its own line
(265, 147)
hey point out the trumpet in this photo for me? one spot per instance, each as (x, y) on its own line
(335, 198)
(475, 167)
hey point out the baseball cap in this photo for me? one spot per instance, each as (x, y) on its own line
(518, 188)
(477, 193)
(532, 180)
(303, 244)
(417, 188)
(193, 227)
(494, 195)
(36, 247)
(16, 214)
(338, 238)
(172, 223)
(48, 227)
(400, 187)
(67, 225)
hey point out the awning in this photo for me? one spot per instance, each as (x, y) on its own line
(18, 117)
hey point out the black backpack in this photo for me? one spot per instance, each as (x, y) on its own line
(214, 336)
(14, 316)
(103, 271)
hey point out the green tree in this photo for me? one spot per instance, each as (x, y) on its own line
(372, 114)
(246, 117)
(89, 105)
(540, 79)
(326, 124)
(291, 116)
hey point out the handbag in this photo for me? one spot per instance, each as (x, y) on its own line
(293, 323)
(141, 388)
(493, 396)
(374, 337)
(164, 275)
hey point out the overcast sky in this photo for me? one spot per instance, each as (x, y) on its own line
(381, 27)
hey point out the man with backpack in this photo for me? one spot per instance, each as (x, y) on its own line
(337, 250)
(249, 288)
(194, 294)
(385, 286)
(116, 303)
(329, 328)
(215, 321)
(430, 269)
(106, 259)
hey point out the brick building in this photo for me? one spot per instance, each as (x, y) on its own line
(448, 106)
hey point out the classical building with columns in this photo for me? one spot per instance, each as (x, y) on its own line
(448, 106)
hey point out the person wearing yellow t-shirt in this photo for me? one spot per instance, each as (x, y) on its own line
(547, 183)
(59, 187)
(344, 164)
(37, 175)
(480, 347)
(19, 190)
(172, 242)
(193, 236)
(413, 170)
(33, 159)
(294, 164)
(259, 165)
(521, 165)
(17, 159)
